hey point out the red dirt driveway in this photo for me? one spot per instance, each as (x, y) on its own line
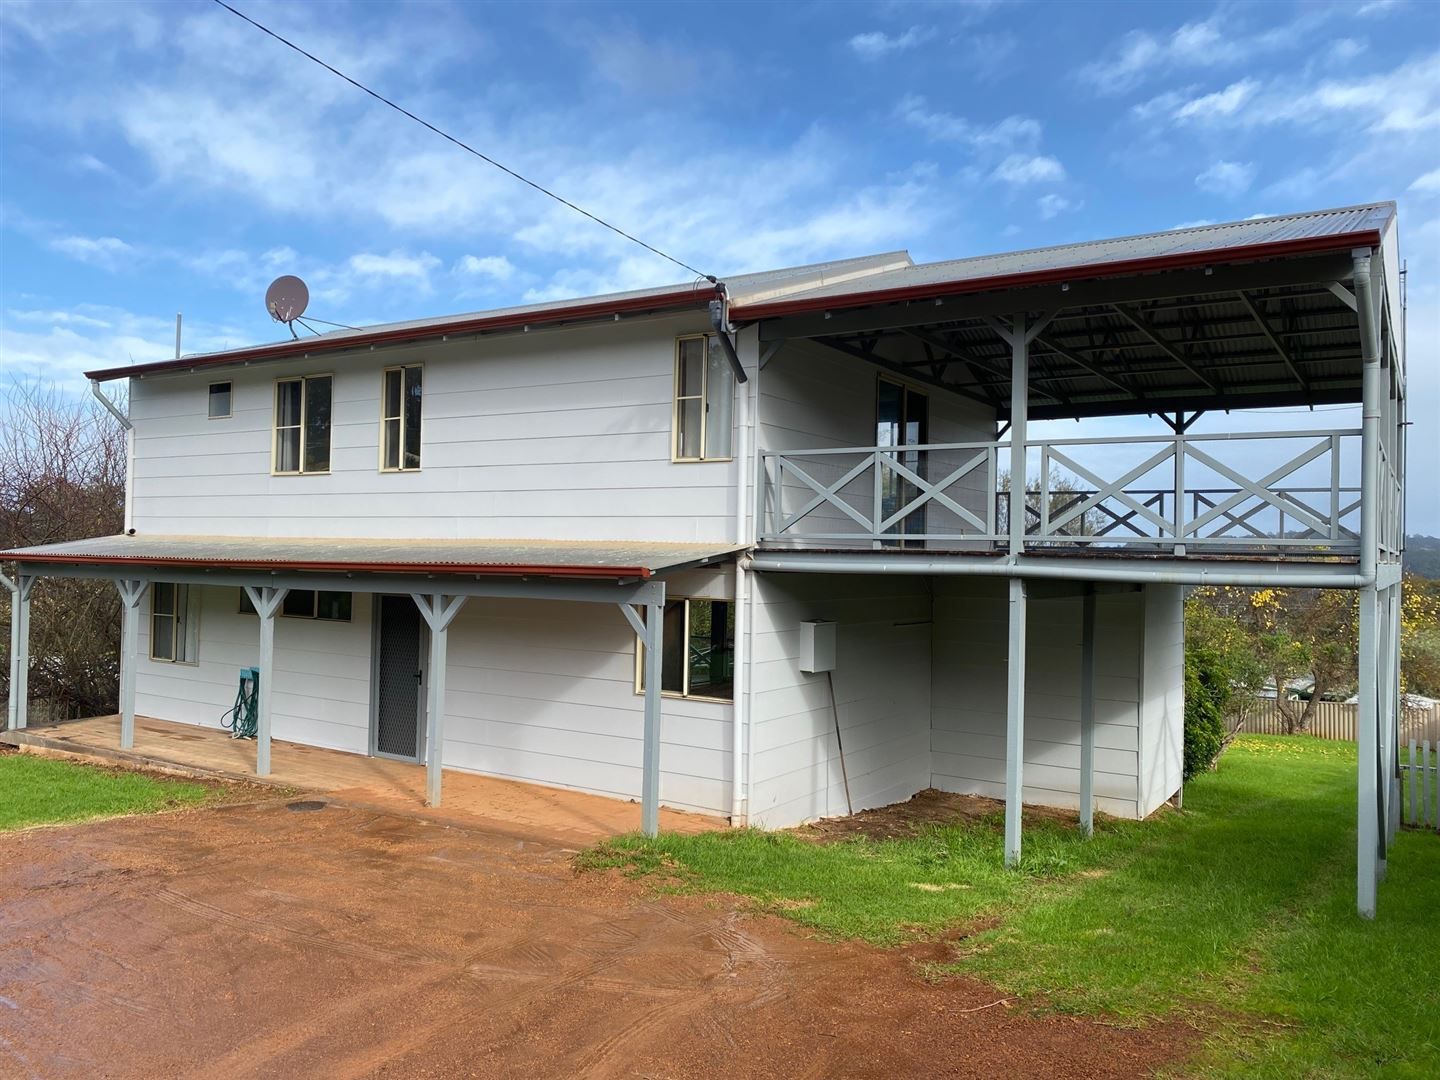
(263, 941)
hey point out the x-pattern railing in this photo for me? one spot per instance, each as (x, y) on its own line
(881, 494)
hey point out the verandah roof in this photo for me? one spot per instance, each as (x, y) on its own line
(604, 560)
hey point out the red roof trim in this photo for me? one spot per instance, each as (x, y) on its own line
(1055, 275)
(485, 569)
(689, 297)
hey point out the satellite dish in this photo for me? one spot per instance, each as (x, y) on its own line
(286, 298)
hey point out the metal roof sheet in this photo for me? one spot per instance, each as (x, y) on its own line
(1294, 230)
(751, 288)
(543, 558)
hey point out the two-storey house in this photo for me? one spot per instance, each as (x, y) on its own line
(783, 547)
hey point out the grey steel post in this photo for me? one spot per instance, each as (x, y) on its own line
(20, 651)
(13, 706)
(1367, 828)
(132, 591)
(1015, 717)
(650, 761)
(1087, 713)
(439, 612)
(1392, 758)
(1370, 413)
(1019, 414)
(266, 600)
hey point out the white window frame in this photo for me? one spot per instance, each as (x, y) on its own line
(684, 692)
(703, 397)
(190, 641)
(231, 391)
(384, 419)
(275, 428)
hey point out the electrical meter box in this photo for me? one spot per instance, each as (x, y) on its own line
(817, 646)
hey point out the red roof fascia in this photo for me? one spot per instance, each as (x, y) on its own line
(689, 297)
(484, 569)
(1054, 275)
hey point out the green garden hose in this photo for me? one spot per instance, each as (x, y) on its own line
(241, 718)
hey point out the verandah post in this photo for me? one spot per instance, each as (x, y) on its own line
(1087, 713)
(132, 591)
(1367, 831)
(266, 601)
(650, 759)
(1015, 722)
(439, 611)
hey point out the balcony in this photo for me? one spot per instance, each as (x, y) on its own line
(1261, 494)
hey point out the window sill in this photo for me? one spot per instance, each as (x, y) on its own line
(700, 460)
(274, 473)
(671, 695)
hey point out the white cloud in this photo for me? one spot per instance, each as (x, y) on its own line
(497, 267)
(1053, 205)
(1430, 182)
(1222, 103)
(1029, 169)
(106, 252)
(1013, 132)
(1139, 52)
(1198, 223)
(877, 44)
(1227, 178)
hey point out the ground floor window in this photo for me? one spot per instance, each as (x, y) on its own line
(308, 604)
(699, 659)
(172, 623)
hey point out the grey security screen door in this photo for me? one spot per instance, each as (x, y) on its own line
(397, 679)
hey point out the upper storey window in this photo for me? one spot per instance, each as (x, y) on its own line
(400, 401)
(219, 405)
(704, 396)
(302, 425)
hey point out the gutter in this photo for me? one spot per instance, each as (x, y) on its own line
(468, 569)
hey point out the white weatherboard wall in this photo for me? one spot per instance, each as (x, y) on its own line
(882, 686)
(558, 434)
(541, 691)
(1162, 737)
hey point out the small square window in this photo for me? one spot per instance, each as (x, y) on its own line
(699, 658)
(219, 401)
(308, 604)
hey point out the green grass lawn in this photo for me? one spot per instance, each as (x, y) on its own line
(1237, 913)
(40, 790)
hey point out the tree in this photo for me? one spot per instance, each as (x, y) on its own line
(1223, 672)
(62, 477)
(1420, 635)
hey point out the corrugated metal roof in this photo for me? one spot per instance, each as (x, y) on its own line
(1289, 229)
(554, 558)
(752, 288)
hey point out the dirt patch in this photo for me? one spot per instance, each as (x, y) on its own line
(924, 810)
(253, 940)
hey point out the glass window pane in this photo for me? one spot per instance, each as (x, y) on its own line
(219, 400)
(889, 408)
(287, 450)
(333, 605)
(392, 443)
(246, 607)
(182, 622)
(672, 663)
(690, 378)
(719, 401)
(287, 403)
(162, 637)
(299, 602)
(687, 438)
(712, 648)
(412, 418)
(392, 393)
(317, 424)
(162, 598)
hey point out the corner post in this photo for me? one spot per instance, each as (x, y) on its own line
(1015, 720)
(266, 600)
(1367, 825)
(19, 710)
(1087, 714)
(132, 592)
(650, 768)
(439, 611)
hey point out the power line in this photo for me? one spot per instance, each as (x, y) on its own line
(465, 146)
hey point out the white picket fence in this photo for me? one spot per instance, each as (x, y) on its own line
(1420, 780)
(1336, 720)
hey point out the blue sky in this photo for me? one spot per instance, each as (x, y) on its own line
(157, 158)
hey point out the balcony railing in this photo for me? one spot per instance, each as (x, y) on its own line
(1282, 491)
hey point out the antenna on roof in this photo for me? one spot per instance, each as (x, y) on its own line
(286, 299)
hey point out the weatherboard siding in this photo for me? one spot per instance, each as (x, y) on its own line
(1162, 735)
(560, 434)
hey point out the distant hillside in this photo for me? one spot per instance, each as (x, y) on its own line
(1422, 555)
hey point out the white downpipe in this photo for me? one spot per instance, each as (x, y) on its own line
(739, 708)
